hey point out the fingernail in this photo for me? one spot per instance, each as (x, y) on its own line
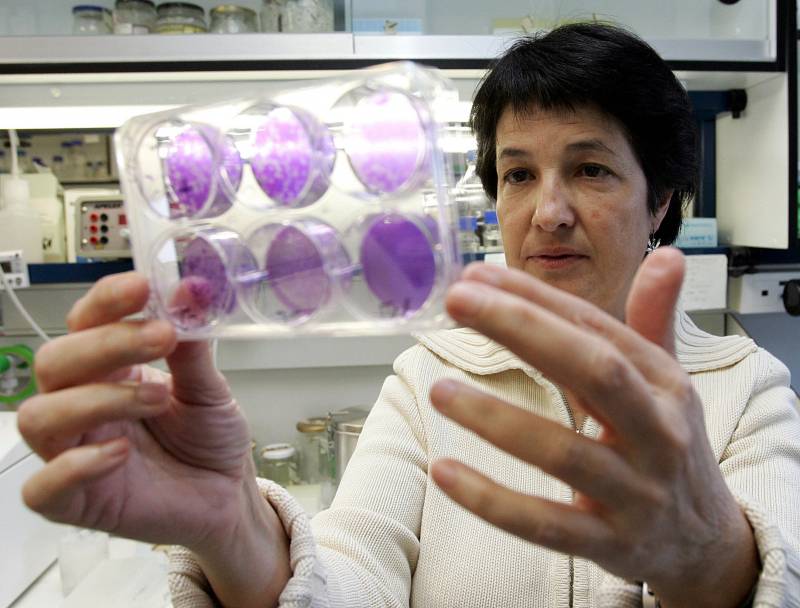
(154, 333)
(113, 449)
(152, 393)
(444, 473)
(465, 300)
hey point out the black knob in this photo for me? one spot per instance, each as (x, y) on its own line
(791, 297)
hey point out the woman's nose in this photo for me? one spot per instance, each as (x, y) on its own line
(552, 207)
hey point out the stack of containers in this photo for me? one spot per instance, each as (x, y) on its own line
(322, 210)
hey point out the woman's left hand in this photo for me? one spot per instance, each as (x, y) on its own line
(651, 503)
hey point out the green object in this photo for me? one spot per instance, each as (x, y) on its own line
(20, 358)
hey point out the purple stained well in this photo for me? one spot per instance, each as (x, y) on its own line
(191, 174)
(204, 292)
(386, 142)
(296, 265)
(398, 263)
(293, 158)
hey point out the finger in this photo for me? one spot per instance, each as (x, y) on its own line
(560, 527)
(586, 465)
(95, 353)
(57, 490)
(650, 309)
(195, 378)
(54, 422)
(656, 365)
(605, 380)
(110, 299)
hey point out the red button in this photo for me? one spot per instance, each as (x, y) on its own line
(93, 240)
(93, 217)
(93, 229)
(123, 221)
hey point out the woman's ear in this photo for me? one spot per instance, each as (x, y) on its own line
(661, 211)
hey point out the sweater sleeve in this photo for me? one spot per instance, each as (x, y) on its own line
(189, 588)
(761, 465)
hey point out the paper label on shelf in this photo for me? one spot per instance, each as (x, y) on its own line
(705, 283)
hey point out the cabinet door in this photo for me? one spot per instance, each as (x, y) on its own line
(681, 30)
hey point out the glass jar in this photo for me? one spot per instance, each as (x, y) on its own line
(181, 18)
(273, 15)
(277, 462)
(308, 16)
(134, 16)
(312, 444)
(491, 231)
(90, 20)
(232, 19)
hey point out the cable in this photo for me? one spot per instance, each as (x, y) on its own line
(12, 294)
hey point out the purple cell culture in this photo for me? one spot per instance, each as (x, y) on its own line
(386, 142)
(297, 269)
(191, 174)
(398, 264)
(204, 291)
(293, 157)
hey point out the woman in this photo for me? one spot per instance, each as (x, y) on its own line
(683, 474)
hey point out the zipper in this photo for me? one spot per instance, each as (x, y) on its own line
(579, 431)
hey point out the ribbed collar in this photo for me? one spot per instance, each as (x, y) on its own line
(696, 350)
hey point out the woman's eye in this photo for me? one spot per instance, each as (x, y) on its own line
(517, 176)
(594, 171)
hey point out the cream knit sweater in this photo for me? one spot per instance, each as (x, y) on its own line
(392, 538)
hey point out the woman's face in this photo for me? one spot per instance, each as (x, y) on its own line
(572, 202)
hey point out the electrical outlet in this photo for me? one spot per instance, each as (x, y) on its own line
(759, 292)
(15, 269)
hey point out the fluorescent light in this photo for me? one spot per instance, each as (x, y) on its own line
(73, 117)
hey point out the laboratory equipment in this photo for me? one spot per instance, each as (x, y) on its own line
(17, 381)
(101, 227)
(324, 209)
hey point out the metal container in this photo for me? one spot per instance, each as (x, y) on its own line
(344, 428)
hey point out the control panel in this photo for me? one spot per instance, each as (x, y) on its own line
(15, 270)
(101, 228)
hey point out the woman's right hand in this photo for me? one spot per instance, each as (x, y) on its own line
(130, 449)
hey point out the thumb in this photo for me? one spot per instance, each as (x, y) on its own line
(650, 308)
(195, 379)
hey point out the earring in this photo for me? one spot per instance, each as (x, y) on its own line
(652, 244)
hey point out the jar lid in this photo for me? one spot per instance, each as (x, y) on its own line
(312, 425)
(87, 8)
(119, 3)
(277, 451)
(351, 426)
(184, 5)
(232, 9)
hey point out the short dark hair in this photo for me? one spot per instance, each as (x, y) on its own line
(605, 66)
